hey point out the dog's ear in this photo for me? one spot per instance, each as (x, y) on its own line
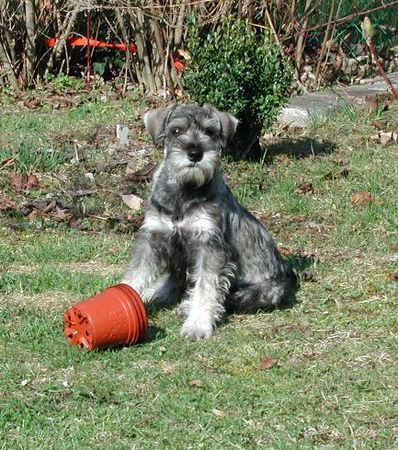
(227, 120)
(156, 120)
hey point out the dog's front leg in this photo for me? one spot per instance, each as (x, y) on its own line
(203, 307)
(146, 266)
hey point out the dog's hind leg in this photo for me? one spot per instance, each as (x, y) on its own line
(267, 295)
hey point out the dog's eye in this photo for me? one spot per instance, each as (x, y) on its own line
(211, 132)
(175, 131)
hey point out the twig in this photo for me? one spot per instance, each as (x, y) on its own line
(381, 70)
(324, 44)
(369, 36)
(304, 30)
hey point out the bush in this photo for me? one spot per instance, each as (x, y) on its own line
(239, 71)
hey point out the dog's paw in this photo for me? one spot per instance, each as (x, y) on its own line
(195, 331)
(182, 310)
(148, 295)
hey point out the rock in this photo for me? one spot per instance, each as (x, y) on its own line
(122, 134)
(133, 201)
(301, 109)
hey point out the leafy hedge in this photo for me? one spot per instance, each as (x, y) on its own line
(240, 71)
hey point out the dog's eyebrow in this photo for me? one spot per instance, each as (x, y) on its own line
(178, 122)
(211, 122)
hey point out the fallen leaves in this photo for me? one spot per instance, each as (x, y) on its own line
(305, 188)
(267, 363)
(219, 413)
(343, 173)
(6, 204)
(23, 182)
(195, 383)
(364, 198)
(385, 138)
(393, 276)
(143, 175)
(285, 251)
(7, 162)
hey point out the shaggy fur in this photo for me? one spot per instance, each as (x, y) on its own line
(197, 244)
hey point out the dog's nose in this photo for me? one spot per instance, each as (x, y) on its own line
(195, 154)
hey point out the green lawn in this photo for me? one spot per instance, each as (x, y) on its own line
(334, 383)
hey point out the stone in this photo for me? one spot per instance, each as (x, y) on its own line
(300, 110)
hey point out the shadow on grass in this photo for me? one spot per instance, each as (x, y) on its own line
(300, 262)
(294, 148)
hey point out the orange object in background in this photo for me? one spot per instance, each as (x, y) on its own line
(81, 41)
(116, 316)
(178, 64)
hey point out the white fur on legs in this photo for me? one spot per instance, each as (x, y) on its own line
(144, 269)
(204, 305)
(164, 291)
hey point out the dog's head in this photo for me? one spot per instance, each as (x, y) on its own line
(193, 139)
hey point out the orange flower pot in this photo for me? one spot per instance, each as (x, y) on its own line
(116, 316)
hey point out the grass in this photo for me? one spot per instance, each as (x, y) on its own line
(334, 384)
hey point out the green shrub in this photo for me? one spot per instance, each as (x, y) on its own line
(239, 71)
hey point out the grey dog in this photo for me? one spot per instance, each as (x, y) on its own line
(197, 243)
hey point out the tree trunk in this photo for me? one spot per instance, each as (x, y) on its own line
(8, 69)
(59, 48)
(30, 24)
(143, 61)
(302, 36)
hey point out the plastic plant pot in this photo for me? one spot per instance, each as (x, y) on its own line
(115, 317)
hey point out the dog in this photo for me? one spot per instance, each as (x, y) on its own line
(197, 244)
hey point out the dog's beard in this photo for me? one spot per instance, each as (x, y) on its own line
(194, 174)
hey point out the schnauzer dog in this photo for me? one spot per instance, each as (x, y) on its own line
(197, 243)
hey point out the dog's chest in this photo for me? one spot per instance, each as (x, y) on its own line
(189, 226)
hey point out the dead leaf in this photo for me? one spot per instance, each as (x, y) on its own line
(340, 160)
(23, 182)
(136, 221)
(388, 137)
(219, 413)
(33, 214)
(393, 276)
(32, 103)
(142, 175)
(378, 124)
(185, 54)
(7, 162)
(73, 221)
(168, 367)
(6, 203)
(363, 198)
(305, 189)
(133, 201)
(308, 276)
(268, 363)
(33, 182)
(195, 383)
(285, 251)
(60, 215)
(335, 175)
(385, 138)
(108, 167)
